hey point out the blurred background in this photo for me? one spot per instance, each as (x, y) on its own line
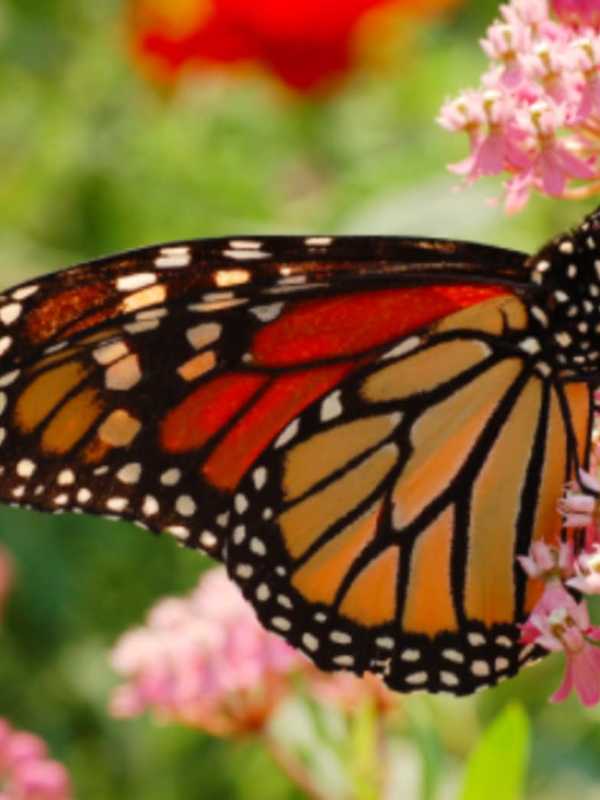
(124, 124)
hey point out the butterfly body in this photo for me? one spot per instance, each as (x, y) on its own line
(366, 430)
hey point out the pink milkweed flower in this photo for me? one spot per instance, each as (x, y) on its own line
(465, 113)
(533, 13)
(587, 572)
(559, 623)
(578, 12)
(579, 506)
(552, 163)
(547, 561)
(545, 72)
(587, 53)
(504, 43)
(495, 143)
(26, 772)
(205, 661)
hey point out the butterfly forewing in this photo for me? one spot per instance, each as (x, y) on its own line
(367, 431)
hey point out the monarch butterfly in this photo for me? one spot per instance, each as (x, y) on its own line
(365, 430)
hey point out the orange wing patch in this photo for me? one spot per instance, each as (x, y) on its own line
(429, 607)
(442, 439)
(371, 600)
(45, 392)
(306, 521)
(495, 508)
(321, 576)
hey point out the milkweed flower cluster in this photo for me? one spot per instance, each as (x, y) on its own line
(308, 46)
(26, 771)
(536, 112)
(205, 661)
(559, 622)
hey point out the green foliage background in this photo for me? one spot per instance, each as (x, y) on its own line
(93, 160)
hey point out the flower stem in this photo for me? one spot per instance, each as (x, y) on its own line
(366, 760)
(292, 767)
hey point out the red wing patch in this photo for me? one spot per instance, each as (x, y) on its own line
(345, 326)
(203, 412)
(285, 398)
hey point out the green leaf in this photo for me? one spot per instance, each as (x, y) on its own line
(497, 766)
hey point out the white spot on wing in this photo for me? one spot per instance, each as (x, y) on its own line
(310, 642)
(25, 292)
(5, 343)
(267, 313)
(259, 476)
(231, 277)
(288, 433)
(129, 283)
(318, 241)
(150, 506)
(130, 473)
(201, 336)
(331, 407)
(208, 539)
(246, 255)
(10, 313)
(26, 468)
(406, 346)
(530, 345)
(170, 477)
(173, 257)
(117, 504)
(185, 505)
(124, 375)
(107, 353)
(153, 295)
(245, 244)
(65, 477)
(9, 377)
(142, 326)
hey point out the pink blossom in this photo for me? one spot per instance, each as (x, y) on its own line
(587, 572)
(578, 12)
(495, 140)
(547, 561)
(505, 43)
(533, 13)
(26, 772)
(559, 623)
(465, 113)
(541, 128)
(204, 660)
(579, 506)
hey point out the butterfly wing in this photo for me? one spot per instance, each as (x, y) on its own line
(327, 416)
(379, 531)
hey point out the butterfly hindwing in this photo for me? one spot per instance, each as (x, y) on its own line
(379, 531)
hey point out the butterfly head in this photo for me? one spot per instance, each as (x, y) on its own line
(566, 306)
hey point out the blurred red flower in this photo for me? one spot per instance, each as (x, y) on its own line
(307, 45)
